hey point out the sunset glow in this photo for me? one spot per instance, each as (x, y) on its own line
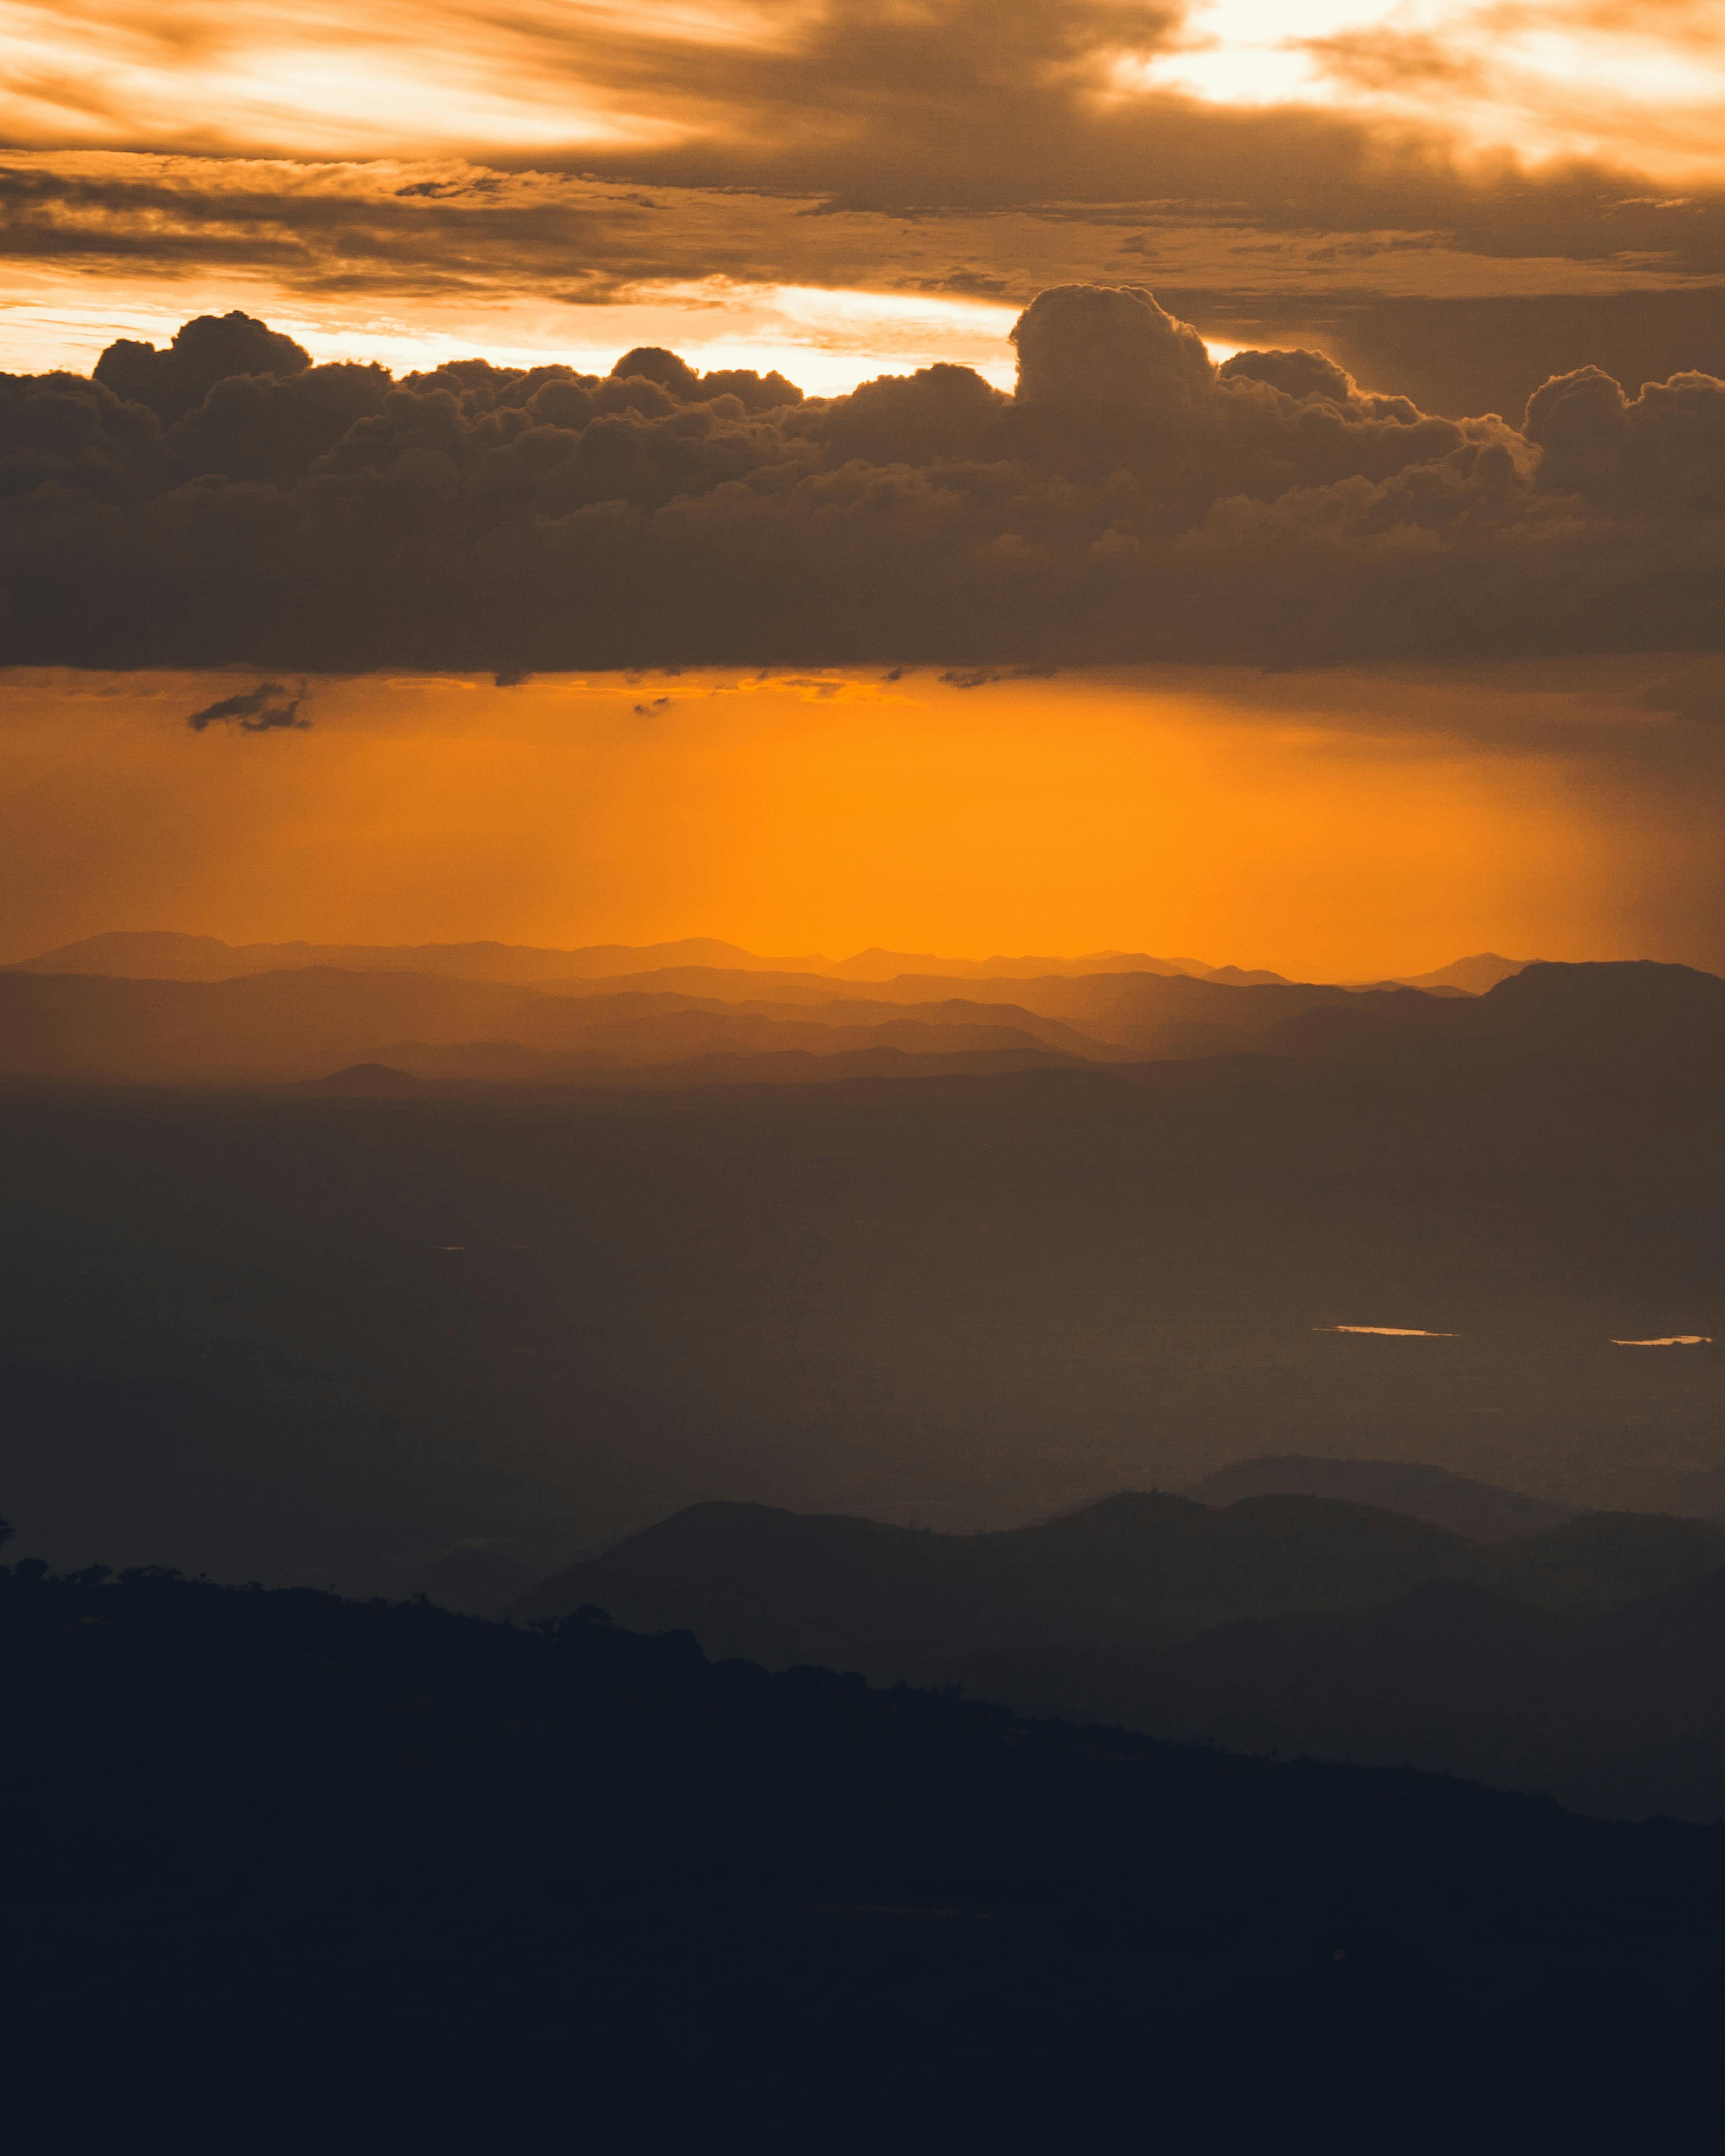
(829, 812)
(801, 802)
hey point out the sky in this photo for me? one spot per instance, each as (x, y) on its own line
(1191, 813)
(834, 188)
(1338, 663)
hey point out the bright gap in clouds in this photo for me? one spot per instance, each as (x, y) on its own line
(826, 342)
(1544, 79)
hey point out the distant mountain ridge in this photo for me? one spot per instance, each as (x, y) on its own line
(308, 1022)
(1476, 976)
(312, 1022)
(1617, 1710)
(1140, 1567)
(1143, 1567)
(167, 954)
(1480, 1511)
(1473, 976)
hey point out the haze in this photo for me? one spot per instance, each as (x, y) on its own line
(1294, 824)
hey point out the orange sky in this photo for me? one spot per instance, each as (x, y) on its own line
(570, 178)
(839, 188)
(1259, 820)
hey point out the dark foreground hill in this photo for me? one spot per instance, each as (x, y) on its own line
(283, 1868)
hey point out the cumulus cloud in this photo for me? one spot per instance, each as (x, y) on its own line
(1090, 344)
(1295, 240)
(267, 709)
(210, 349)
(1132, 502)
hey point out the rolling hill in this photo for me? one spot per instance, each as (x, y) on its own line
(1478, 1510)
(1274, 1622)
(1141, 1568)
(1617, 1711)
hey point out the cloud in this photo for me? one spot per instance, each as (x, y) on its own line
(208, 350)
(1099, 345)
(1131, 502)
(266, 709)
(985, 677)
(1259, 229)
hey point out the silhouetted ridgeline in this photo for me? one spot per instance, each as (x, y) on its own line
(1587, 1662)
(166, 955)
(281, 1865)
(1478, 1510)
(1634, 1020)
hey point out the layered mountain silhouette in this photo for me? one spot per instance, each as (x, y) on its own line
(1617, 1710)
(1271, 1622)
(165, 954)
(367, 1082)
(312, 1019)
(1473, 976)
(1478, 1510)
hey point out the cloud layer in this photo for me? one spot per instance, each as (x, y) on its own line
(1132, 502)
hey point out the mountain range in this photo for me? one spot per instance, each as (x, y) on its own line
(1587, 1660)
(695, 1021)
(165, 954)
(1480, 1511)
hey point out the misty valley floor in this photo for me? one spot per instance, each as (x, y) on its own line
(320, 1339)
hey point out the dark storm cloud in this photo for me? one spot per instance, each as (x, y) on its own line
(269, 708)
(1132, 502)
